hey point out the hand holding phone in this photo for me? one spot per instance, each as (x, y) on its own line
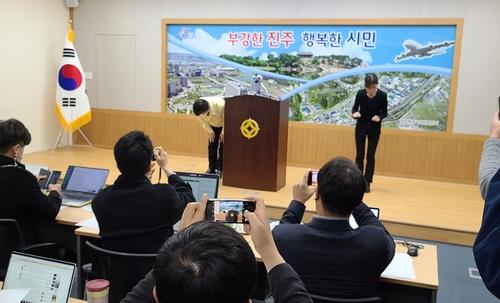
(303, 190)
(54, 177)
(54, 187)
(42, 177)
(229, 210)
(262, 238)
(194, 212)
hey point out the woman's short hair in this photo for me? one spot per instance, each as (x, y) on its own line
(13, 132)
(370, 79)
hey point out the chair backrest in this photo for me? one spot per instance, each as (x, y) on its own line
(322, 299)
(11, 238)
(122, 270)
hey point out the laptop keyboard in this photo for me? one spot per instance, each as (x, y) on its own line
(75, 196)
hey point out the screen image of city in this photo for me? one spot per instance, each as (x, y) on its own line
(317, 69)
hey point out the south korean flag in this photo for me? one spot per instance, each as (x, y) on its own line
(72, 102)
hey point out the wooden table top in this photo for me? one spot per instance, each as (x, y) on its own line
(426, 267)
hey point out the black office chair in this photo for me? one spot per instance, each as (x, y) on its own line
(12, 238)
(122, 270)
(322, 299)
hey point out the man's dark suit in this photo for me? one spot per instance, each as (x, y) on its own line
(330, 257)
(137, 216)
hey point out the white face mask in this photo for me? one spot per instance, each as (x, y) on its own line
(18, 152)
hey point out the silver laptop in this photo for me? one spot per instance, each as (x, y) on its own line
(201, 183)
(81, 184)
(48, 280)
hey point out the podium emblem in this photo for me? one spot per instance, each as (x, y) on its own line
(249, 128)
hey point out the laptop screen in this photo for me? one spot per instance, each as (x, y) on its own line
(202, 183)
(84, 179)
(49, 280)
(354, 224)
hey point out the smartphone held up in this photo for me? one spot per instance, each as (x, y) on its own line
(228, 210)
(312, 178)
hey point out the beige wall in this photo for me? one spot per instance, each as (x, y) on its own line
(138, 23)
(31, 41)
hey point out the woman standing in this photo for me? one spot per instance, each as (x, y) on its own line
(370, 108)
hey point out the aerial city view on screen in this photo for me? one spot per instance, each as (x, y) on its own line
(318, 69)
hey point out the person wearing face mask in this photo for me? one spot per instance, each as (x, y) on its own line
(20, 195)
(370, 108)
(210, 113)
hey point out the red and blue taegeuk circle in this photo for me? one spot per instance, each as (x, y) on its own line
(70, 77)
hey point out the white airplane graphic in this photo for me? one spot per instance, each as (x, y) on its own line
(416, 50)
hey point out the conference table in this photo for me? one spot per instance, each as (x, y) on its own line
(391, 289)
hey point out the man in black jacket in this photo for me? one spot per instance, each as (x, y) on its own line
(20, 195)
(331, 258)
(134, 215)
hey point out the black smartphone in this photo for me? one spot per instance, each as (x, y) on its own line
(499, 107)
(228, 210)
(312, 178)
(54, 177)
(45, 173)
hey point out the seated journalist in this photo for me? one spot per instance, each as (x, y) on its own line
(135, 215)
(210, 262)
(20, 195)
(332, 258)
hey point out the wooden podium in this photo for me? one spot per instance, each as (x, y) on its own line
(255, 142)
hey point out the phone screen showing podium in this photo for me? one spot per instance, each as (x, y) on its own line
(228, 211)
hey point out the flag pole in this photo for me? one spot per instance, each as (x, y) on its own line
(70, 134)
(67, 99)
(58, 140)
(85, 137)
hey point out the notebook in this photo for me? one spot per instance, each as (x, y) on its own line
(81, 184)
(48, 280)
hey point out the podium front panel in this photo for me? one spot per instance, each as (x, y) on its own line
(255, 142)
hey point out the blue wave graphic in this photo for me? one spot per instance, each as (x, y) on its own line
(241, 67)
(446, 72)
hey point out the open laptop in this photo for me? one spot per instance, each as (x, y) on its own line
(81, 184)
(201, 183)
(354, 224)
(48, 280)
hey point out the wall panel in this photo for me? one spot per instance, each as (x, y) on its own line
(425, 155)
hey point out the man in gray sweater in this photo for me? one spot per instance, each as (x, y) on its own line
(487, 245)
